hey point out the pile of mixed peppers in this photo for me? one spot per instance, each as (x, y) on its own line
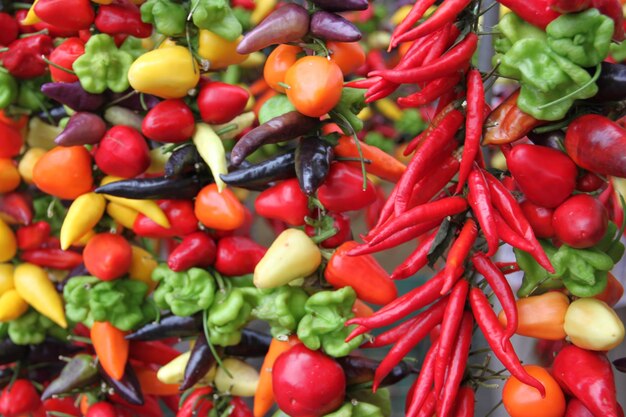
(144, 142)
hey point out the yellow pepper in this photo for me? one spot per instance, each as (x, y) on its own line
(218, 51)
(389, 109)
(141, 267)
(31, 18)
(41, 134)
(27, 163)
(148, 208)
(399, 15)
(82, 241)
(365, 114)
(254, 60)
(291, 256)
(6, 278)
(12, 306)
(82, 216)
(174, 371)
(165, 72)
(261, 10)
(211, 149)
(8, 242)
(34, 286)
(592, 324)
(123, 215)
(242, 381)
(241, 122)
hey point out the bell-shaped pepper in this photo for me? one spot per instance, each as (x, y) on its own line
(122, 19)
(592, 324)
(184, 293)
(512, 29)
(79, 372)
(583, 38)
(323, 326)
(237, 255)
(141, 267)
(24, 58)
(8, 242)
(282, 308)
(219, 210)
(32, 236)
(168, 17)
(180, 216)
(82, 216)
(283, 201)
(12, 305)
(343, 189)
(292, 255)
(6, 277)
(218, 51)
(32, 328)
(211, 149)
(151, 72)
(56, 13)
(103, 66)
(196, 249)
(123, 215)
(34, 286)
(227, 316)
(216, 16)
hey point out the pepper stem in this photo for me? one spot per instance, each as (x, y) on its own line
(573, 93)
(324, 235)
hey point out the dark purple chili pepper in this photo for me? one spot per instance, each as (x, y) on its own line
(280, 167)
(73, 96)
(83, 128)
(341, 5)
(155, 188)
(170, 326)
(332, 27)
(313, 158)
(128, 387)
(200, 362)
(184, 161)
(253, 344)
(10, 352)
(50, 350)
(361, 369)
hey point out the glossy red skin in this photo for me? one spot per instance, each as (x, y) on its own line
(198, 403)
(10, 29)
(241, 408)
(196, 249)
(102, 409)
(20, 398)
(343, 189)
(122, 152)
(545, 176)
(64, 55)
(307, 383)
(540, 218)
(33, 235)
(220, 102)
(62, 405)
(24, 57)
(115, 19)
(597, 144)
(580, 222)
(179, 213)
(10, 141)
(342, 224)
(589, 182)
(284, 201)
(169, 121)
(237, 255)
(68, 14)
(107, 256)
(588, 376)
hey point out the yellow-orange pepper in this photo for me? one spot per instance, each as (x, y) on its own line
(6, 278)
(8, 242)
(27, 163)
(84, 213)
(123, 215)
(218, 51)
(34, 286)
(141, 267)
(12, 306)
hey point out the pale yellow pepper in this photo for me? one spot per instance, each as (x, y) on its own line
(6, 277)
(389, 109)
(158, 159)
(8, 242)
(12, 306)
(34, 286)
(27, 163)
(41, 134)
(173, 372)
(82, 216)
(211, 149)
(141, 267)
(592, 324)
(165, 72)
(219, 52)
(242, 381)
(123, 215)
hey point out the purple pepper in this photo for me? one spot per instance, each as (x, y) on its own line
(289, 23)
(332, 27)
(83, 128)
(341, 5)
(73, 96)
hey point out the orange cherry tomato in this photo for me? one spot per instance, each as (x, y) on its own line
(220, 211)
(521, 400)
(315, 85)
(277, 64)
(9, 176)
(541, 316)
(51, 174)
(348, 55)
(612, 292)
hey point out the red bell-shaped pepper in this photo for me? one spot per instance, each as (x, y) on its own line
(284, 201)
(237, 255)
(196, 249)
(179, 213)
(15, 208)
(363, 273)
(10, 29)
(19, 398)
(24, 57)
(116, 19)
(169, 121)
(32, 236)
(68, 14)
(343, 189)
(64, 56)
(220, 102)
(122, 152)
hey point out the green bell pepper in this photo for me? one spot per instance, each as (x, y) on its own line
(585, 289)
(169, 18)
(184, 293)
(216, 16)
(76, 293)
(512, 29)
(583, 38)
(133, 46)
(8, 88)
(32, 328)
(550, 83)
(323, 326)
(228, 315)
(381, 400)
(536, 279)
(103, 66)
(618, 51)
(282, 308)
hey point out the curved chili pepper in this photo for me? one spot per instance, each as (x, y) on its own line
(480, 200)
(395, 239)
(312, 162)
(416, 260)
(152, 352)
(473, 124)
(52, 258)
(417, 12)
(458, 252)
(360, 369)
(279, 167)
(170, 326)
(421, 388)
(200, 362)
(253, 344)
(428, 319)
(431, 92)
(390, 336)
(154, 188)
(509, 236)
(73, 95)
(127, 387)
(464, 402)
(196, 249)
(494, 334)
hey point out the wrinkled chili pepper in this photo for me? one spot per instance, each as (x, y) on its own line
(170, 326)
(154, 188)
(114, 19)
(24, 57)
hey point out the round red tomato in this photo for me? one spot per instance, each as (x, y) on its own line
(307, 383)
(581, 221)
(521, 400)
(107, 256)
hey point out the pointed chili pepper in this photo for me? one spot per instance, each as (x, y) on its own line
(421, 388)
(238, 255)
(395, 239)
(200, 362)
(152, 352)
(360, 369)
(184, 161)
(32, 236)
(459, 251)
(431, 92)
(180, 215)
(111, 348)
(508, 235)
(52, 258)
(416, 260)
(284, 201)
(79, 372)
(127, 387)
(279, 167)
(390, 336)
(341, 5)
(464, 402)
(382, 164)
(74, 96)
(473, 124)
(253, 344)
(211, 149)
(33, 285)
(507, 123)
(313, 157)
(417, 11)
(170, 326)
(333, 27)
(14, 207)
(82, 216)
(196, 249)
(479, 199)
(154, 188)
(83, 128)
(444, 14)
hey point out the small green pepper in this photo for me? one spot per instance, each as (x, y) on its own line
(618, 51)
(31, 329)
(282, 308)
(229, 313)
(583, 38)
(512, 29)
(8, 88)
(274, 107)
(169, 18)
(536, 279)
(133, 46)
(216, 16)
(76, 294)
(103, 66)
(184, 293)
(30, 96)
(350, 104)
(580, 289)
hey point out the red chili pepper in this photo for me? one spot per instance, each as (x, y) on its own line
(150, 408)
(480, 200)
(451, 62)
(430, 185)
(246, 4)
(71, 15)
(425, 213)
(10, 29)
(180, 214)
(32, 236)
(374, 210)
(169, 121)
(196, 249)
(417, 12)
(241, 408)
(219, 102)
(536, 12)
(52, 258)
(375, 60)
(509, 236)
(390, 336)
(422, 386)
(431, 92)
(507, 267)
(464, 402)
(429, 406)
(428, 319)
(395, 239)
(436, 146)
(343, 189)
(494, 334)
(23, 59)
(155, 352)
(441, 45)
(473, 124)
(456, 367)
(114, 19)
(417, 141)
(284, 201)
(64, 56)
(237, 255)
(416, 260)
(198, 403)
(458, 253)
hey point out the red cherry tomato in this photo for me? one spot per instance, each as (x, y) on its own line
(580, 222)
(169, 121)
(107, 256)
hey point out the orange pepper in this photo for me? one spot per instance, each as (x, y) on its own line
(383, 165)
(362, 310)
(52, 176)
(111, 348)
(151, 385)
(220, 211)
(9, 176)
(612, 292)
(541, 316)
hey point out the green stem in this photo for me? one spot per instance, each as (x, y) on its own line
(57, 66)
(593, 79)
(323, 236)
(228, 128)
(205, 328)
